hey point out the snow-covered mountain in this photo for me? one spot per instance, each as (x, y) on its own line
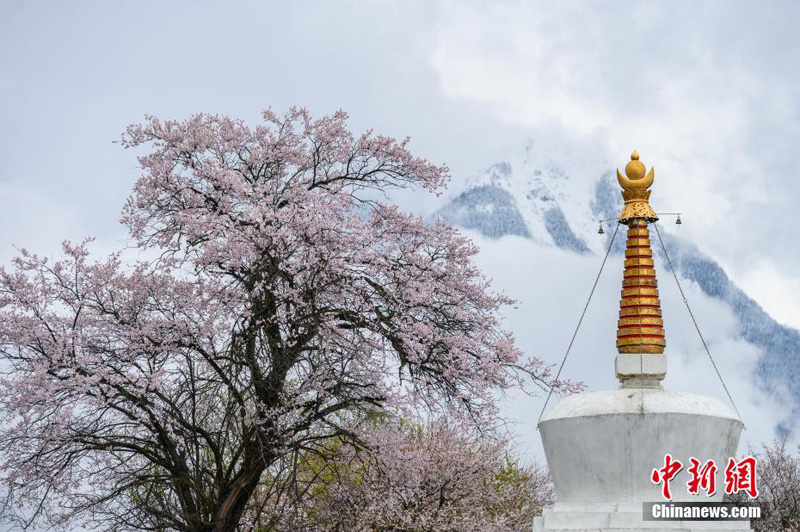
(539, 200)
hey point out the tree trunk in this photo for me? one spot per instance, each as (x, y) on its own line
(230, 510)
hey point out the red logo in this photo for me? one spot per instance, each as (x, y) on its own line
(704, 478)
(665, 474)
(739, 476)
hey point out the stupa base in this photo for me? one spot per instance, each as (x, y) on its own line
(602, 446)
(623, 517)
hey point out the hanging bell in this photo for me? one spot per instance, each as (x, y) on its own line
(678, 221)
(600, 230)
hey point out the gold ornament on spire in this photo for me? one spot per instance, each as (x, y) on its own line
(640, 329)
(634, 191)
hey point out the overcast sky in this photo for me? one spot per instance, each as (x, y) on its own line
(707, 92)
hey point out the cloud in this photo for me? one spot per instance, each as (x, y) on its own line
(773, 288)
(551, 287)
(703, 90)
(41, 221)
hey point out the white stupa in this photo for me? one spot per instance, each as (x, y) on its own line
(602, 446)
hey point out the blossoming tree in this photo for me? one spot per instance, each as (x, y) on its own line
(285, 300)
(416, 476)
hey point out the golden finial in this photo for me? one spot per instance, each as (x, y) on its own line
(640, 329)
(634, 191)
(635, 169)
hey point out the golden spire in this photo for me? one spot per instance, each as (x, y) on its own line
(640, 329)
